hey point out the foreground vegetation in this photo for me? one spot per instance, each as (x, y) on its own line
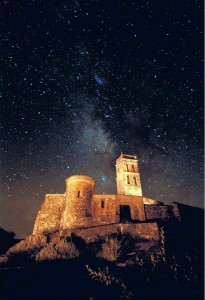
(114, 268)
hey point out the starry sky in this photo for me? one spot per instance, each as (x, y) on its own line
(83, 81)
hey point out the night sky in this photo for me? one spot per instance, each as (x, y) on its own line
(83, 81)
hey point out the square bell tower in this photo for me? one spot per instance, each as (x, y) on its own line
(128, 176)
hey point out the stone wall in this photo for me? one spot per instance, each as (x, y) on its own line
(104, 209)
(79, 194)
(78, 208)
(148, 231)
(73, 211)
(176, 210)
(136, 205)
(49, 217)
(153, 212)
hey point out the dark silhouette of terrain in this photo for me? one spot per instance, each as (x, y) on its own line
(178, 276)
(7, 240)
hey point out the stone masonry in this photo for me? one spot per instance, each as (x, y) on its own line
(80, 208)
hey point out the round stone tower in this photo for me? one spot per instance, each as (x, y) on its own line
(79, 193)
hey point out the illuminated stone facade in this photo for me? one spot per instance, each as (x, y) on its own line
(79, 207)
(128, 176)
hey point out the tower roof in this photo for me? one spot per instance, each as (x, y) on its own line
(127, 156)
(80, 177)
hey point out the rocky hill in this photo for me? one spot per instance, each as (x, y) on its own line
(110, 266)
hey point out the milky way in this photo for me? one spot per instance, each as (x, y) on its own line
(83, 81)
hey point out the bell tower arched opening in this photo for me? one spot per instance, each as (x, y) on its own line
(128, 176)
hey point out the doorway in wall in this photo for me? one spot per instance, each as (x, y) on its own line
(125, 213)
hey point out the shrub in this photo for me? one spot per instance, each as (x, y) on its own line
(60, 250)
(112, 248)
(47, 253)
(66, 249)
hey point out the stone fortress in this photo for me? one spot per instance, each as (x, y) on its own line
(80, 208)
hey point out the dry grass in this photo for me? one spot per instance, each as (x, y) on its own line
(105, 277)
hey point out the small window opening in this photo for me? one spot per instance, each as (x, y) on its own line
(133, 168)
(128, 179)
(127, 167)
(135, 181)
(102, 204)
(78, 194)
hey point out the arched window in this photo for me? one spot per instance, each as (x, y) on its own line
(102, 204)
(128, 179)
(78, 194)
(133, 168)
(127, 167)
(135, 180)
